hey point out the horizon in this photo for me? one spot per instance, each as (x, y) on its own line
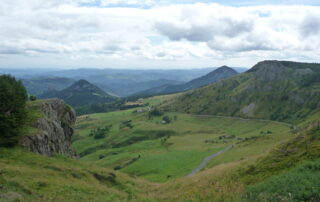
(152, 34)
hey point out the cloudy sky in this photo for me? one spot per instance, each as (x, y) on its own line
(156, 34)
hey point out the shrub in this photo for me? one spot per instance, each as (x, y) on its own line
(13, 98)
(166, 119)
(100, 133)
(32, 98)
(125, 124)
(155, 112)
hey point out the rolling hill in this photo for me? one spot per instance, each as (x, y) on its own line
(277, 90)
(81, 93)
(41, 85)
(213, 76)
(124, 87)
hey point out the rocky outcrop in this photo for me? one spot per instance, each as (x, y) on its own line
(54, 129)
(272, 70)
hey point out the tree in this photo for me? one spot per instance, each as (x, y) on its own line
(13, 98)
(32, 98)
(155, 112)
(166, 119)
(100, 133)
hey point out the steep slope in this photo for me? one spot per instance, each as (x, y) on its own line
(40, 85)
(27, 176)
(81, 93)
(216, 75)
(277, 90)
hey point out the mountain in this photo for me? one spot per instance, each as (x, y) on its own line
(216, 75)
(120, 82)
(81, 93)
(277, 90)
(125, 88)
(40, 85)
(125, 82)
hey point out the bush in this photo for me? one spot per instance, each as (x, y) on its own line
(32, 98)
(13, 98)
(100, 133)
(155, 112)
(166, 119)
(126, 124)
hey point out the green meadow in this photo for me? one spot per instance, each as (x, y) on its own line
(158, 151)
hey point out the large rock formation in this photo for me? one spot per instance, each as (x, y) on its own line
(54, 129)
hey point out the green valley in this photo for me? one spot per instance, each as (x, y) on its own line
(181, 145)
(251, 137)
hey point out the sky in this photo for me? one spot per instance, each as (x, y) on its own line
(156, 34)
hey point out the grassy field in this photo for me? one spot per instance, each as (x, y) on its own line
(26, 176)
(138, 152)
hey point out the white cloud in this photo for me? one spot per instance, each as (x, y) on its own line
(206, 34)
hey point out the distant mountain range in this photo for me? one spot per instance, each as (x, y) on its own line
(277, 90)
(81, 93)
(40, 85)
(119, 82)
(216, 75)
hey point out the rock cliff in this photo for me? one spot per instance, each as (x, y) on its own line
(54, 129)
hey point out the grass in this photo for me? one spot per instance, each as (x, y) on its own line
(289, 173)
(138, 152)
(299, 184)
(151, 160)
(26, 176)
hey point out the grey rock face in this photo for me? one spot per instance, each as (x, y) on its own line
(271, 70)
(55, 129)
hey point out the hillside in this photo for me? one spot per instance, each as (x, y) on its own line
(144, 146)
(40, 167)
(124, 87)
(214, 76)
(40, 85)
(81, 93)
(277, 90)
(148, 156)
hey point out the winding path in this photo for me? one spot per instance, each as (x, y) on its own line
(207, 159)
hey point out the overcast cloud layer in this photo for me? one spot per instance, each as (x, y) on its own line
(148, 33)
